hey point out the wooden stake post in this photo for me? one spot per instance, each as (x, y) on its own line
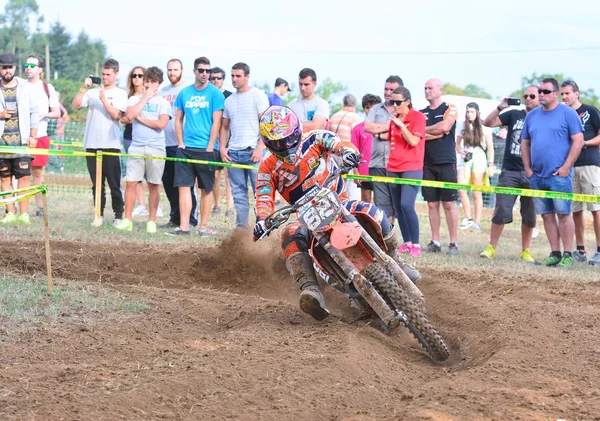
(47, 239)
(98, 193)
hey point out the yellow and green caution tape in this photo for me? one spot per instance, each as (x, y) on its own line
(543, 194)
(14, 196)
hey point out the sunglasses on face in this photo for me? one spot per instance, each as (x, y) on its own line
(7, 67)
(29, 65)
(133, 76)
(531, 96)
(216, 78)
(203, 70)
(570, 83)
(398, 101)
(546, 91)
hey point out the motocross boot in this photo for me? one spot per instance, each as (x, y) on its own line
(392, 242)
(311, 297)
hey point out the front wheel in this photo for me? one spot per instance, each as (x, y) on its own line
(416, 321)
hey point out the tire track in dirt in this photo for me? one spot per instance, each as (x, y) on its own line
(225, 338)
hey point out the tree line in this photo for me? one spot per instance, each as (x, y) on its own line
(72, 58)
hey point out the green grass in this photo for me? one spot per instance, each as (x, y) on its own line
(26, 301)
(71, 212)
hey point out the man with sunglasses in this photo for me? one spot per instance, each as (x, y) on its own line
(377, 124)
(19, 121)
(552, 139)
(217, 77)
(586, 172)
(48, 107)
(197, 123)
(512, 175)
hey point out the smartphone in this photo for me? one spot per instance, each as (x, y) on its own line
(514, 101)
(96, 80)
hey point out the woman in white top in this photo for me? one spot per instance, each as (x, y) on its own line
(475, 153)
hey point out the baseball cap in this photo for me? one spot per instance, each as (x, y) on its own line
(8, 59)
(473, 105)
(279, 81)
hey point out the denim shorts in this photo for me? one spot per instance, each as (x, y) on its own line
(553, 183)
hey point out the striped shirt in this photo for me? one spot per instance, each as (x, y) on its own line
(342, 123)
(243, 109)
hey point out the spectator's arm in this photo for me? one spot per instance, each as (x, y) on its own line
(78, 99)
(179, 128)
(576, 146)
(493, 119)
(54, 113)
(526, 156)
(224, 140)
(441, 128)
(159, 124)
(376, 128)
(318, 123)
(429, 136)
(217, 117)
(594, 141)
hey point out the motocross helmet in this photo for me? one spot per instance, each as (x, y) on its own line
(281, 132)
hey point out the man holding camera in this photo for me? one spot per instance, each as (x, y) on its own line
(106, 104)
(512, 175)
(19, 120)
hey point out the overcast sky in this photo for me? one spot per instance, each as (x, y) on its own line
(359, 43)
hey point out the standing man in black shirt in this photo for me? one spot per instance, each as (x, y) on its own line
(512, 175)
(586, 171)
(440, 165)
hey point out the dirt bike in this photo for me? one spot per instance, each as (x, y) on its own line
(347, 257)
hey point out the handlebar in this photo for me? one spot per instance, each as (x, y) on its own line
(281, 215)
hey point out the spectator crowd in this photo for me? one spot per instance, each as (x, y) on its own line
(550, 144)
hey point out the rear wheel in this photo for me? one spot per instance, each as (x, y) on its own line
(416, 321)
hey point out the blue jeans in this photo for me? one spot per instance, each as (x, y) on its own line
(404, 198)
(238, 179)
(553, 183)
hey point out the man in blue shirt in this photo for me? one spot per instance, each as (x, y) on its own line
(281, 88)
(552, 139)
(202, 106)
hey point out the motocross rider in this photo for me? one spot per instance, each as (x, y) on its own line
(296, 164)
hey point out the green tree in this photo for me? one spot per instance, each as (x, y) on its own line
(15, 27)
(60, 41)
(588, 96)
(476, 91)
(471, 90)
(451, 89)
(84, 56)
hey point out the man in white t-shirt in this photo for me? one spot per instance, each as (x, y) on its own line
(169, 93)
(150, 114)
(312, 110)
(46, 99)
(103, 133)
(242, 111)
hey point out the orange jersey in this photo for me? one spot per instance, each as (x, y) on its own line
(312, 166)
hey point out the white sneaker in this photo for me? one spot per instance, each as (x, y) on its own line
(466, 224)
(535, 233)
(476, 228)
(140, 210)
(97, 222)
(159, 212)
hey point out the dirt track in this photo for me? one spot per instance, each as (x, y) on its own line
(227, 341)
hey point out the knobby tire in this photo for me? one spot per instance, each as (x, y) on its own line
(418, 323)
